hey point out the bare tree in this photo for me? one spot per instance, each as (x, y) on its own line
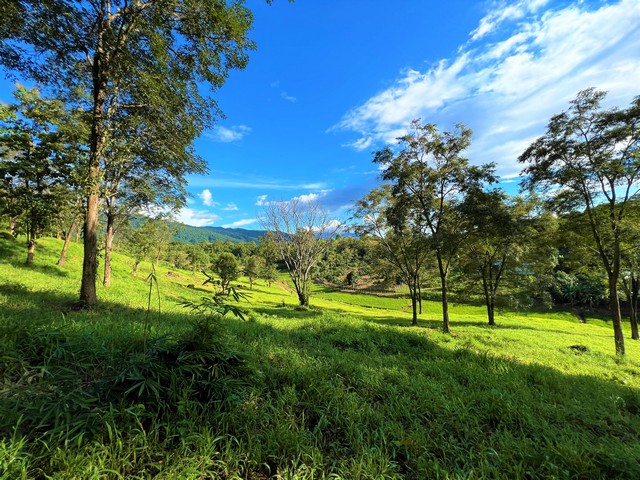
(301, 232)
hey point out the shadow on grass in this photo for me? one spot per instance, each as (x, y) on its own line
(338, 389)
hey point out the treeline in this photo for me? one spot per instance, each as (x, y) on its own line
(436, 208)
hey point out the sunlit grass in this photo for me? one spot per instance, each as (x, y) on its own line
(344, 389)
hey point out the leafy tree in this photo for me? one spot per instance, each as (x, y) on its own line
(269, 273)
(198, 257)
(34, 163)
(429, 179)
(595, 155)
(403, 244)
(128, 57)
(147, 241)
(301, 232)
(252, 268)
(227, 268)
(507, 242)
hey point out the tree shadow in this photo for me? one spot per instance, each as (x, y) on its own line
(341, 389)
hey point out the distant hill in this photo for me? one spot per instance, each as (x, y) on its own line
(189, 234)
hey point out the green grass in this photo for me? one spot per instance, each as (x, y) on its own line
(345, 389)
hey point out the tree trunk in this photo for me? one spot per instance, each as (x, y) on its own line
(414, 309)
(134, 270)
(419, 297)
(31, 245)
(67, 238)
(616, 316)
(491, 308)
(12, 226)
(489, 298)
(303, 298)
(88, 294)
(445, 300)
(633, 307)
(108, 244)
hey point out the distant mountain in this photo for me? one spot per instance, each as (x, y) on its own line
(189, 234)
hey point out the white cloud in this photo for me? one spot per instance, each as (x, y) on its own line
(241, 223)
(230, 207)
(287, 97)
(206, 198)
(261, 201)
(507, 90)
(311, 197)
(263, 184)
(196, 218)
(502, 12)
(228, 134)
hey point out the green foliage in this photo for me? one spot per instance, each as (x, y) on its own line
(227, 268)
(580, 289)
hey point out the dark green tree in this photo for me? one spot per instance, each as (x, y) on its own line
(595, 155)
(227, 268)
(507, 243)
(128, 57)
(34, 162)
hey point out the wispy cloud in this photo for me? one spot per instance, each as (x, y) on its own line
(287, 97)
(196, 218)
(228, 134)
(230, 207)
(503, 11)
(521, 65)
(241, 223)
(207, 198)
(283, 94)
(261, 201)
(249, 183)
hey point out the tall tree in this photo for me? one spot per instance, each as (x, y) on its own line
(300, 232)
(594, 154)
(402, 243)
(430, 175)
(33, 163)
(507, 242)
(148, 56)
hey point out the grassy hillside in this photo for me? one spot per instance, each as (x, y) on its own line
(143, 388)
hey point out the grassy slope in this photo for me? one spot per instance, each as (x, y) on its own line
(347, 388)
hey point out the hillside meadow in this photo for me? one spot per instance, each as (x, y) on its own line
(142, 387)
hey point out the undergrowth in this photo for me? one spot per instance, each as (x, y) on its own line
(328, 392)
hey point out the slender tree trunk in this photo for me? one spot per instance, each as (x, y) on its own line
(108, 244)
(489, 299)
(633, 307)
(419, 296)
(67, 239)
(134, 270)
(616, 316)
(414, 309)
(445, 300)
(31, 245)
(12, 226)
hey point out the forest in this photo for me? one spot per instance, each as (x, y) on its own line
(445, 329)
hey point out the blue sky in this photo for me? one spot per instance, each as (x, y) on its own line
(332, 81)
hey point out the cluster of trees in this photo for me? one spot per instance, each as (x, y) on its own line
(131, 73)
(437, 208)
